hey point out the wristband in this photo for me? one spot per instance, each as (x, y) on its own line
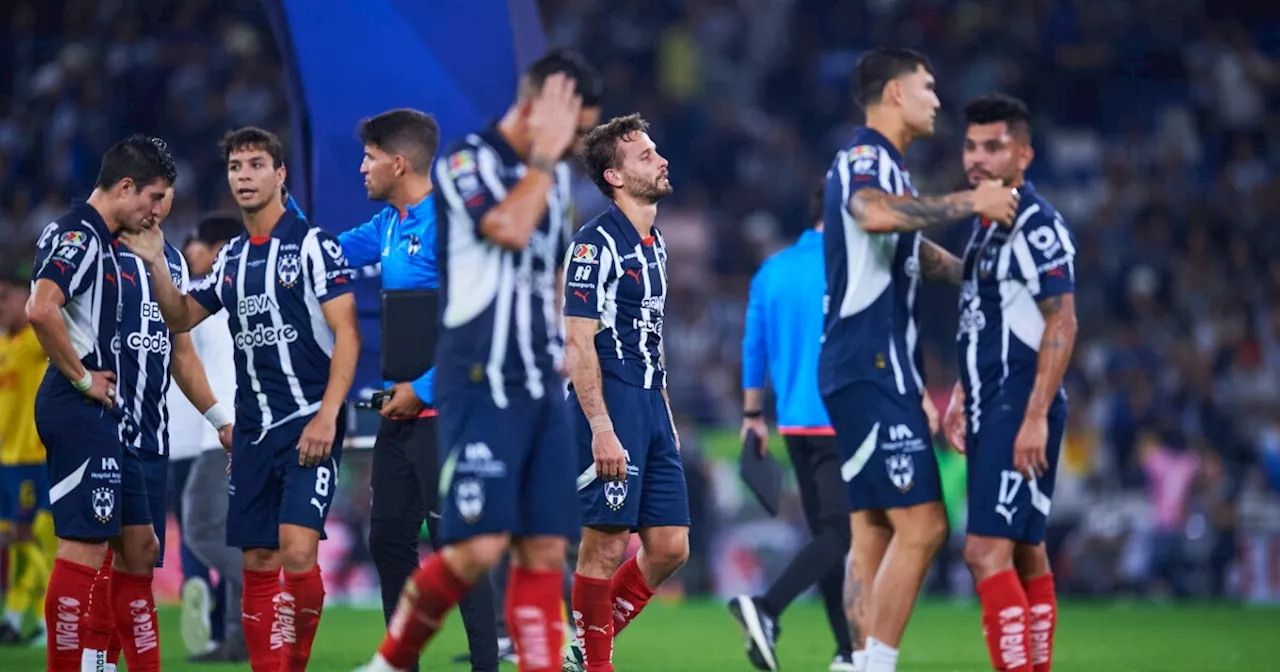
(219, 416)
(85, 382)
(601, 424)
(543, 164)
(752, 415)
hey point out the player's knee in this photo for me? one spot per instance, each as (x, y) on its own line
(601, 551)
(139, 552)
(261, 560)
(927, 533)
(83, 553)
(475, 556)
(670, 551)
(1031, 560)
(986, 556)
(541, 554)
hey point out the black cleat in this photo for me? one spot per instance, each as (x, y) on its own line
(759, 629)
(226, 652)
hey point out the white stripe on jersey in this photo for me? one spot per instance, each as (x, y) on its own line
(264, 405)
(971, 352)
(662, 275)
(82, 320)
(469, 256)
(558, 198)
(319, 325)
(649, 369)
(277, 321)
(913, 332)
(487, 166)
(609, 298)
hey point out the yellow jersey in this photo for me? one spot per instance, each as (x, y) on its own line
(22, 367)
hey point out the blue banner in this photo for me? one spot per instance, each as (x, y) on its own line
(458, 60)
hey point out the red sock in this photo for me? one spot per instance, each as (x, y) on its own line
(304, 593)
(593, 618)
(1004, 622)
(533, 611)
(101, 621)
(135, 617)
(66, 608)
(257, 617)
(628, 593)
(431, 592)
(114, 647)
(1043, 599)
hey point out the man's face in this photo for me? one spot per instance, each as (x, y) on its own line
(140, 208)
(919, 101)
(253, 178)
(380, 170)
(992, 152)
(200, 258)
(644, 171)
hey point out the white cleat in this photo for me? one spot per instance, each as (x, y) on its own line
(378, 664)
(195, 626)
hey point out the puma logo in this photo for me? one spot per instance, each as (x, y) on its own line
(110, 278)
(227, 279)
(582, 295)
(319, 507)
(634, 274)
(133, 279)
(596, 628)
(251, 617)
(1007, 513)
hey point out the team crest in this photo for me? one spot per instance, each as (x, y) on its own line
(902, 471)
(615, 494)
(289, 269)
(584, 253)
(415, 244)
(104, 504)
(469, 496)
(912, 268)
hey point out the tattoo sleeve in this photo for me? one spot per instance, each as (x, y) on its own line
(854, 606)
(584, 365)
(938, 264)
(879, 212)
(1056, 345)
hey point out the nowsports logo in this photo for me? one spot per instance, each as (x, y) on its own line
(158, 344)
(263, 336)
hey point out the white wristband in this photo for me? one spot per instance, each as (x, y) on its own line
(85, 382)
(219, 416)
(601, 424)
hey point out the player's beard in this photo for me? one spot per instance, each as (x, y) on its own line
(648, 192)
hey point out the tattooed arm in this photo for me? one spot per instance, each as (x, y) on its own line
(880, 212)
(1055, 351)
(938, 264)
(584, 366)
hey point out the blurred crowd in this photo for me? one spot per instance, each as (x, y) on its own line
(1157, 134)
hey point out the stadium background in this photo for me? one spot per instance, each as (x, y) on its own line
(1157, 134)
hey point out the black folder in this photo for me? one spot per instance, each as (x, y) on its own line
(761, 473)
(410, 324)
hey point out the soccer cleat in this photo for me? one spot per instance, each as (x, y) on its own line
(195, 625)
(227, 652)
(507, 650)
(573, 659)
(378, 664)
(760, 631)
(843, 663)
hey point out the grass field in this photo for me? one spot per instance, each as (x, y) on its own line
(700, 636)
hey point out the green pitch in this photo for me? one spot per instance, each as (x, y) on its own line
(700, 636)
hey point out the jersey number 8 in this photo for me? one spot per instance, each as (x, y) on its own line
(322, 481)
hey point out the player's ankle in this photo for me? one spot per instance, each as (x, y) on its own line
(880, 657)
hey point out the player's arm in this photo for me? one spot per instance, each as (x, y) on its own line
(181, 312)
(755, 355)
(1056, 346)
(340, 315)
(362, 245)
(878, 211)
(938, 264)
(332, 282)
(188, 372)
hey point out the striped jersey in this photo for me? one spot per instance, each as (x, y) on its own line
(273, 288)
(77, 253)
(500, 323)
(615, 276)
(146, 351)
(1007, 272)
(870, 332)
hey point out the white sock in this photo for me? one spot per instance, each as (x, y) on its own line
(860, 660)
(92, 660)
(880, 656)
(380, 664)
(14, 619)
(110, 667)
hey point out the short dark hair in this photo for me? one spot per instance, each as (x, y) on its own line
(217, 228)
(600, 147)
(590, 84)
(817, 202)
(252, 137)
(407, 132)
(141, 158)
(997, 107)
(878, 67)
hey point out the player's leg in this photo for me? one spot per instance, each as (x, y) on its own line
(831, 518)
(204, 529)
(918, 532)
(253, 526)
(137, 553)
(1031, 559)
(871, 535)
(27, 489)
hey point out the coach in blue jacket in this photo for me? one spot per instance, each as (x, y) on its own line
(399, 146)
(783, 336)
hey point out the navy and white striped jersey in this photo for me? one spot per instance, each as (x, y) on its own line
(619, 278)
(872, 278)
(77, 253)
(146, 351)
(500, 322)
(1007, 272)
(272, 288)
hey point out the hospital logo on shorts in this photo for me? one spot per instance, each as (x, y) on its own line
(104, 504)
(289, 269)
(469, 496)
(615, 494)
(902, 471)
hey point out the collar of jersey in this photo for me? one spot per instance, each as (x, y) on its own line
(865, 135)
(810, 237)
(90, 214)
(282, 228)
(629, 233)
(419, 214)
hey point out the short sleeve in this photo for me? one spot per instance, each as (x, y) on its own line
(206, 292)
(66, 256)
(588, 273)
(327, 269)
(362, 244)
(863, 165)
(1053, 254)
(468, 182)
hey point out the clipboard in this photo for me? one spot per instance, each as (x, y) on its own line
(761, 473)
(410, 325)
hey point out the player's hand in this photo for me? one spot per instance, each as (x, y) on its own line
(930, 413)
(553, 120)
(403, 404)
(316, 441)
(103, 388)
(954, 424)
(996, 201)
(147, 244)
(1029, 448)
(224, 438)
(611, 460)
(758, 427)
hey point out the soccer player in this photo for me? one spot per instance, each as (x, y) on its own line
(868, 371)
(630, 474)
(23, 478)
(1008, 412)
(294, 327)
(502, 211)
(783, 334)
(399, 147)
(97, 487)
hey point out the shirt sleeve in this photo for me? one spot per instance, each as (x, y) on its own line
(755, 346)
(362, 245)
(1053, 254)
(468, 181)
(860, 168)
(591, 269)
(207, 292)
(424, 386)
(326, 266)
(66, 257)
